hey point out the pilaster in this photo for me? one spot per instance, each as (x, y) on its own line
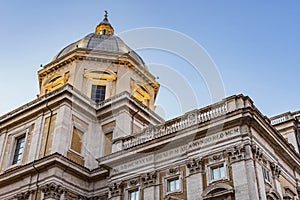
(194, 179)
(276, 171)
(115, 191)
(243, 172)
(257, 159)
(150, 189)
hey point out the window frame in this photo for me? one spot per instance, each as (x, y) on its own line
(210, 172)
(267, 175)
(15, 135)
(176, 186)
(220, 169)
(102, 94)
(20, 143)
(137, 194)
(130, 189)
(169, 178)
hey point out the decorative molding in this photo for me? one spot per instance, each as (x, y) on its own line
(133, 182)
(102, 197)
(23, 195)
(216, 158)
(149, 178)
(173, 198)
(52, 190)
(194, 165)
(115, 189)
(236, 153)
(276, 170)
(273, 194)
(257, 152)
(217, 190)
(173, 171)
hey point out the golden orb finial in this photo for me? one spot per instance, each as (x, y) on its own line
(104, 28)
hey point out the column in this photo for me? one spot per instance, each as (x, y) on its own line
(115, 191)
(243, 172)
(276, 171)
(150, 189)
(194, 179)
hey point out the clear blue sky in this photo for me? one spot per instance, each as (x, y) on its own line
(254, 44)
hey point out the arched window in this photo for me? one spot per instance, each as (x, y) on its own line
(56, 81)
(141, 93)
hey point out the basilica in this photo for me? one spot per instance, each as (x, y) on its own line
(92, 133)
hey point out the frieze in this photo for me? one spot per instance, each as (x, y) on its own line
(176, 152)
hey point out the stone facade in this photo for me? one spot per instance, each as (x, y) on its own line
(92, 134)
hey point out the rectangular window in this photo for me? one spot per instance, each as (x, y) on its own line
(218, 172)
(173, 185)
(134, 195)
(20, 145)
(266, 174)
(98, 93)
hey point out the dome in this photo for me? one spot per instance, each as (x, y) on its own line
(93, 41)
(102, 40)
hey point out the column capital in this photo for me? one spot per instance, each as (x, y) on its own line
(149, 178)
(236, 153)
(52, 190)
(276, 170)
(115, 189)
(194, 165)
(257, 152)
(23, 196)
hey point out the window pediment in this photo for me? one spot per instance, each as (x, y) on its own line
(216, 190)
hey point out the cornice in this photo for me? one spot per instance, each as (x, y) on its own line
(53, 160)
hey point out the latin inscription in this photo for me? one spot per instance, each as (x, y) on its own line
(172, 153)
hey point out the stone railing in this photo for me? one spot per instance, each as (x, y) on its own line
(188, 120)
(196, 117)
(279, 120)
